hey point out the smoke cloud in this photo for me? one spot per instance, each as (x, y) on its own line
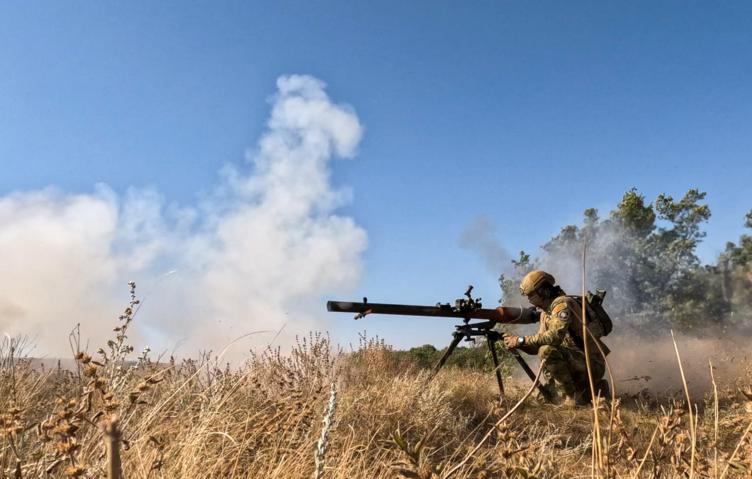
(255, 256)
(480, 237)
(650, 364)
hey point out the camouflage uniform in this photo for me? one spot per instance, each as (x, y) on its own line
(565, 367)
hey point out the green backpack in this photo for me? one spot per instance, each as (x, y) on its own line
(598, 321)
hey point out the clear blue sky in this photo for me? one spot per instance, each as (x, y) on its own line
(524, 113)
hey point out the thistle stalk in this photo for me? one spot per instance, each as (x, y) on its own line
(326, 425)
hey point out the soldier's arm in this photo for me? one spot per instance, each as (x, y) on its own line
(557, 328)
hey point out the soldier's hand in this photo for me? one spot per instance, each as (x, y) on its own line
(510, 341)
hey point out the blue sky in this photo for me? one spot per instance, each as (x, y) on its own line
(524, 114)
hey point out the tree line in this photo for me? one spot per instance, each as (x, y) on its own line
(644, 255)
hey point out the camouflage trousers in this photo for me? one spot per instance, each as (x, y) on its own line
(566, 369)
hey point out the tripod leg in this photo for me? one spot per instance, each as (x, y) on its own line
(492, 347)
(523, 364)
(450, 349)
(544, 392)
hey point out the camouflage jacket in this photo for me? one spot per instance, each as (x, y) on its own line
(554, 323)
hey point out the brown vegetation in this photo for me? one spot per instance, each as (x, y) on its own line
(195, 419)
(317, 412)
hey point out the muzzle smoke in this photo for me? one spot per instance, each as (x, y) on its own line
(253, 257)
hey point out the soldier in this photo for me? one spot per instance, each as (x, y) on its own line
(557, 340)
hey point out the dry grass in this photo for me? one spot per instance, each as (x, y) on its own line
(279, 416)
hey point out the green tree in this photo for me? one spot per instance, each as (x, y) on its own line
(645, 255)
(673, 250)
(633, 216)
(624, 264)
(740, 256)
(735, 267)
(425, 356)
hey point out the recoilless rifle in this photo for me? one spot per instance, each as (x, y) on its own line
(467, 309)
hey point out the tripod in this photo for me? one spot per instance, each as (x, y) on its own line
(469, 331)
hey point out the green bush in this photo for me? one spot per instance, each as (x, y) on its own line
(474, 357)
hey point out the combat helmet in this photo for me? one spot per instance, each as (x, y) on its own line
(534, 280)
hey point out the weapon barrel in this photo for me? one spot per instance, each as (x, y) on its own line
(502, 315)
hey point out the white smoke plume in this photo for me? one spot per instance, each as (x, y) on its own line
(257, 255)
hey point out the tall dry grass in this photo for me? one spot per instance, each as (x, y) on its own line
(317, 412)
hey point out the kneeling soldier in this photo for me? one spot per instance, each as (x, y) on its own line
(558, 340)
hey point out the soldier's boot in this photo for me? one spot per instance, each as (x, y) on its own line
(571, 398)
(547, 396)
(602, 389)
(568, 402)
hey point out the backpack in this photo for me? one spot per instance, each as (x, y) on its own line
(595, 303)
(598, 321)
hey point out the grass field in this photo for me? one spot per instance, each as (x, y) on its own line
(317, 412)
